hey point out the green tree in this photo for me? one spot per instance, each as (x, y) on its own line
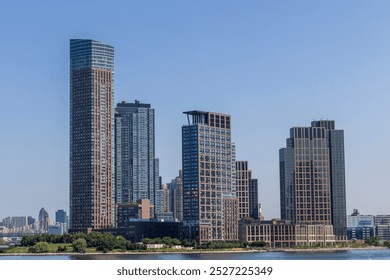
(153, 241)
(106, 243)
(62, 248)
(387, 244)
(28, 241)
(176, 241)
(120, 242)
(373, 241)
(40, 247)
(132, 246)
(258, 244)
(79, 245)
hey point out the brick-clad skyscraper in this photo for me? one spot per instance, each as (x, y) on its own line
(91, 134)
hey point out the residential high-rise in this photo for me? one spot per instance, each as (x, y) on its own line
(91, 134)
(140, 210)
(312, 177)
(137, 168)
(210, 205)
(175, 188)
(254, 206)
(243, 177)
(246, 190)
(178, 197)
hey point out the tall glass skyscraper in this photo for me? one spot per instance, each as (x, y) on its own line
(137, 168)
(210, 205)
(91, 134)
(312, 177)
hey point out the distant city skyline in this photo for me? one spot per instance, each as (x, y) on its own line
(271, 66)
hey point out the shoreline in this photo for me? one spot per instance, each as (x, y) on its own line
(269, 250)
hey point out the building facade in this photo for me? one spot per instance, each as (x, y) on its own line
(178, 197)
(56, 229)
(358, 220)
(382, 226)
(43, 220)
(279, 233)
(137, 168)
(210, 205)
(163, 201)
(130, 211)
(175, 188)
(243, 179)
(91, 134)
(254, 205)
(61, 217)
(312, 177)
(246, 191)
(137, 231)
(360, 227)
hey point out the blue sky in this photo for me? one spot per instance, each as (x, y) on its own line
(272, 65)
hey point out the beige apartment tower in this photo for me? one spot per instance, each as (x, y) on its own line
(312, 177)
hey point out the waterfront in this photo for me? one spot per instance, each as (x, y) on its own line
(361, 254)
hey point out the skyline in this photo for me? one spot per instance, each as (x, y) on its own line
(270, 66)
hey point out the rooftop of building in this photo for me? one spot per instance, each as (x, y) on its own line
(136, 104)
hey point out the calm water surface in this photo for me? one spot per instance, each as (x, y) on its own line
(330, 255)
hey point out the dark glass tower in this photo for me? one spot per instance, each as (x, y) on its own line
(61, 217)
(91, 134)
(137, 169)
(312, 177)
(337, 176)
(254, 199)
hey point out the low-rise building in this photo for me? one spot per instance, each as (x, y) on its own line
(141, 210)
(383, 231)
(382, 227)
(55, 229)
(278, 233)
(155, 246)
(360, 227)
(136, 231)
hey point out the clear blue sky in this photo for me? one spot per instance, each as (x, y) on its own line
(272, 65)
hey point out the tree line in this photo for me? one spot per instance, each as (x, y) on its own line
(106, 242)
(103, 242)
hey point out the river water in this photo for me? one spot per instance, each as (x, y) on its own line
(362, 254)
